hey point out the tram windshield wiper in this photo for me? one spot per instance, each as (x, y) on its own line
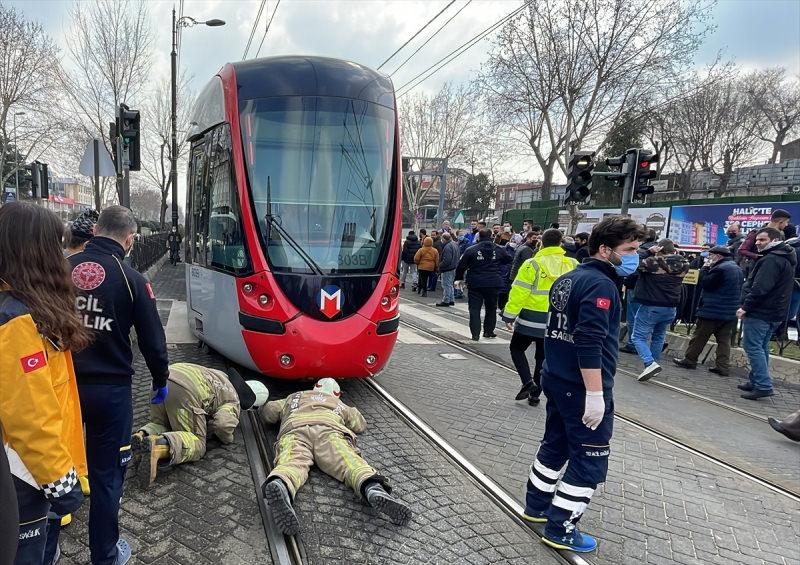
(272, 222)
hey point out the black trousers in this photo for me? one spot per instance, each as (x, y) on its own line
(9, 525)
(502, 299)
(519, 344)
(424, 277)
(478, 297)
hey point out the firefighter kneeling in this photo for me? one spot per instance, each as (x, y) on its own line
(316, 427)
(201, 401)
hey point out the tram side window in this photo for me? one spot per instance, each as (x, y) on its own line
(199, 204)
(225, 243)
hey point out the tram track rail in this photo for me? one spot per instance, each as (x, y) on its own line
(674, 388)
(285, 550)
(621, 416)
(494, 492)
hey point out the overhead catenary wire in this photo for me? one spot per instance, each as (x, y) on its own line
(420, 30)
(417, 50)
(253, 31)
(457, 52)
(266, 31)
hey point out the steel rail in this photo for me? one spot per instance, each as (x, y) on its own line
(762, 481)
(494, 491)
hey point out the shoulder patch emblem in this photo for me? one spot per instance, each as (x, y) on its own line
(88, 275)
(602, 303)
(559, 295)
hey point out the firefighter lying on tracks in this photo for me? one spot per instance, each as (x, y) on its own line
(200, 401)
(317, 427)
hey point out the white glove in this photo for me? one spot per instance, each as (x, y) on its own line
(594, 409)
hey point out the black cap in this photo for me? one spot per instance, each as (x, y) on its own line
(83, 225)
(720, 250)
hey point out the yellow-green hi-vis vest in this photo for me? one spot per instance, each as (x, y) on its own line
(528, 299)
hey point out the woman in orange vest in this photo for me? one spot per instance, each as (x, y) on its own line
(40, 416)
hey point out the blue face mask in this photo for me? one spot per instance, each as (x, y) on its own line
(628, 266)
(704, 254)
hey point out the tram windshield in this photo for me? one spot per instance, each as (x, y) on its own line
(320, 168)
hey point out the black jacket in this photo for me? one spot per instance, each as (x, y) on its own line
(721, 286)
(482, 265)
(112, 298)
(655, 287)
(583, 324)
(410, 247)
(768, 290)
(582, 253)
(523, 253)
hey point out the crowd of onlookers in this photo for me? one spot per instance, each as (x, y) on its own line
(751, 284)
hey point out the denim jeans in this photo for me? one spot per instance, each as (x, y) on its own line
(633, 307)
(651, 325)
(447, 286)
(755, 342)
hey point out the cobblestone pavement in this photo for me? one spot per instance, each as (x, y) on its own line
(660, 504)
(748, 443)
(453, 521)
(197, 513)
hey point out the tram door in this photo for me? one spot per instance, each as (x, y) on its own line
(197, 218)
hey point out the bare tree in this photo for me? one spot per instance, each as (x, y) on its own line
(110, 47)
(28, 83)
(440, 126)
(157, 150)
(145, 201)
(777, 99)
(564, 71)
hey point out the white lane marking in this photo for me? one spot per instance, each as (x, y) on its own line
(177, 329)
(441, 322)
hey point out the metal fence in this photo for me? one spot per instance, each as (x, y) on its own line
(687, 317)
(147, 250)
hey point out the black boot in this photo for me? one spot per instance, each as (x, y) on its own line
(789, 426)
(280, 503)
(378, 498)
(523, 392)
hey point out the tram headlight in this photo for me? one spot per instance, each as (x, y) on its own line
(263, 299)
(371, 359)
(393, 290)
(247, 288)
(385, 301)
(286, 359)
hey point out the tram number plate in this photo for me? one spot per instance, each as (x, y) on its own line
(354, 260)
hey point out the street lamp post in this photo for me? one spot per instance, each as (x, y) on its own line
(16, 155)
(184, 21)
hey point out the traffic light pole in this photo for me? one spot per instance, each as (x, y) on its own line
(173, 175)
(630, 179)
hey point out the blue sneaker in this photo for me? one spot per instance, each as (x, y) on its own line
(575, 541)
(123, 552)
(537, 517)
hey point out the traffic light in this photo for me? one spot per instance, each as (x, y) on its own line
(44, 181)
(642, 174)
(36, 179)
(113, 134)
(130, 131)
(616, 170)
(579, 176)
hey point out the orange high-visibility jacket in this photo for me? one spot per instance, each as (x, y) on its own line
(40, 413)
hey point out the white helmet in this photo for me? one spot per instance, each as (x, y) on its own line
(328, 386)
(261, 392)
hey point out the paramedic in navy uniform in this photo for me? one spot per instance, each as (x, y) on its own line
(112, 298)
(581, 347)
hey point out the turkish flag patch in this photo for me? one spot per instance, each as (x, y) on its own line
(150, 290)
(602, 303)
(33, 362)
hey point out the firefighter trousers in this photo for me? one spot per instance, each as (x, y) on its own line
(182, 421)
(332, 451)
(564, 493)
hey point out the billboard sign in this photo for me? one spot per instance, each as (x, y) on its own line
(655, 218)
(692, 226)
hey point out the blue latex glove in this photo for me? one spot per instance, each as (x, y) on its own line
(160, 395)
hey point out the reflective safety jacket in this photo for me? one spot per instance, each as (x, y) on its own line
(309, 407)
(528, 299)
(40, 414)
